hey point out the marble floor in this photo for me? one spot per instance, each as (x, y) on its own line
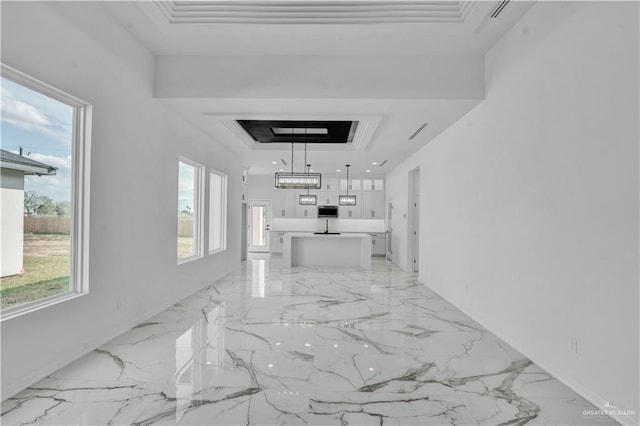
(267, 346)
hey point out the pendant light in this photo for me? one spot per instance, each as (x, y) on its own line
(347, 200)
(297, 180)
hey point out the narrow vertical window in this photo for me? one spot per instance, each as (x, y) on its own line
(217, 212)
(190, 195)
(44, 194)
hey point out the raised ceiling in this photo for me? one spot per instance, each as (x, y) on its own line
(315, 12)
(298, 131)
(393, 66)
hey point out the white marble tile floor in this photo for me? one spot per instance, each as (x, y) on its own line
(273, 346)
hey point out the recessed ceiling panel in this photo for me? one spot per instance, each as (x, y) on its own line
(282, 131)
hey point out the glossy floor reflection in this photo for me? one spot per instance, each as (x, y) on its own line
(268, 346)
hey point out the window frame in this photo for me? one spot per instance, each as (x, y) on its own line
(222, 210)
(198, 210)
(80, 192)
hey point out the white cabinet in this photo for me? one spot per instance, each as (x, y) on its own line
(372, 205)
(378, 244)
(354, 185)
(282, 203)
(351, 212)
(369, 192)
(328, 198)
(275, 242)
(329, 184)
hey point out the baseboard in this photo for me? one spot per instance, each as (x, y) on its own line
(601, 404)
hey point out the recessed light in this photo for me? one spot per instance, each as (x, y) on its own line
(308, 345)
(374, 163)
(282, 170)
(274, 162)
(338, 170)
(372, 369)
(368, 171)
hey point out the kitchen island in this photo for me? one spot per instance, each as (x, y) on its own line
(342, 250)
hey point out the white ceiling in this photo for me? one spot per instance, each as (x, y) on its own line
(392, 64)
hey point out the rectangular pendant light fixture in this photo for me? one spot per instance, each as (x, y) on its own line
(346, 200)
(307, 200)
(298, 180)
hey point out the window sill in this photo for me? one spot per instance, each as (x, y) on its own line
(217, 251)
(188, 259)
(36, 305)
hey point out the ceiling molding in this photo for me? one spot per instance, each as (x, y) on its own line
(315, 11)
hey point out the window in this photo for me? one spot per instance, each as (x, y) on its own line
(190, 195)
(217, 212)
(44, 194)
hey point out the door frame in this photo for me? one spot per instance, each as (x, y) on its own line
(244, 233)
(413, 221)
(250, 204)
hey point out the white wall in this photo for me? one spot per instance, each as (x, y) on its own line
(322, 77)
(136, 141)
(529, 204)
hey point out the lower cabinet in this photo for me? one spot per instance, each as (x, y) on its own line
(275, 242)
(378, 245)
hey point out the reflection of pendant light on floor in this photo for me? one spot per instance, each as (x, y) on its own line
(308, 199)
(347, 200)
(297, 180)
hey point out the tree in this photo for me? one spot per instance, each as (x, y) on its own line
(47, 206)
(62, 208)
(31, 202)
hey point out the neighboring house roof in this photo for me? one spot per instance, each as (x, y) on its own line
(9, 160)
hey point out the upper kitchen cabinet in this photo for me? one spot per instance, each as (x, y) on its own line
(282, 203)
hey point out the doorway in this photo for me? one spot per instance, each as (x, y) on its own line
(413, 222)
(258, 226)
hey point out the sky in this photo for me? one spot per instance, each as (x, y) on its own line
(42, 126)
(186, 186)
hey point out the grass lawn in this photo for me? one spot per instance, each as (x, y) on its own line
(46, 264)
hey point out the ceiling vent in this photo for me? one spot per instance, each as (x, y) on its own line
(283, 162)
(418, 131)
(499, 8)
(383, 163)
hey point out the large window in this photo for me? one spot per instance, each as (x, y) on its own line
(217, 212)
(190, 206)
(44, 194)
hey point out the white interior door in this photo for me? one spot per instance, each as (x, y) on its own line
(258, 225)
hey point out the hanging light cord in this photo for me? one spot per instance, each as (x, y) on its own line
(291, 149)
(348, 165)
(305, 157)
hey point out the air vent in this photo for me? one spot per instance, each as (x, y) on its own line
(418, 131)
(283, 162)
(383, 163)
(499, 8)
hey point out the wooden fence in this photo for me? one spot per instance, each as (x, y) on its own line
(47, 224)
(185, 227)
(62, 225)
